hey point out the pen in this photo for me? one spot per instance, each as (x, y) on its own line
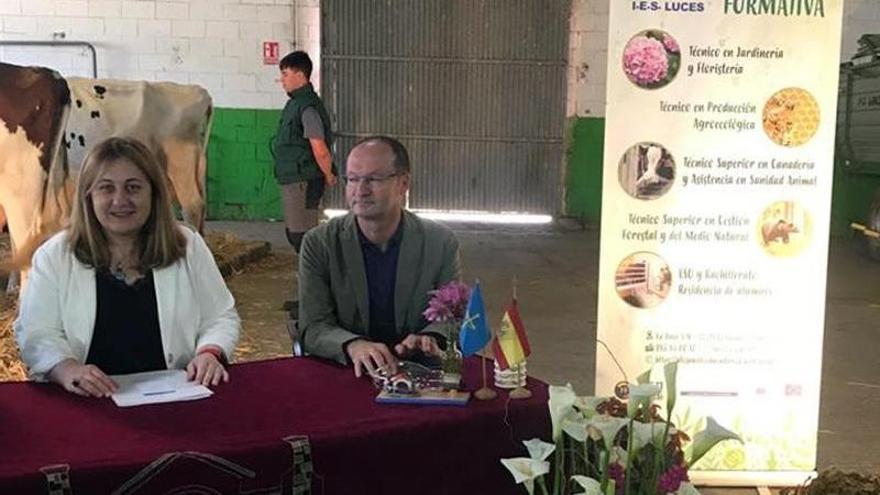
(159, 392)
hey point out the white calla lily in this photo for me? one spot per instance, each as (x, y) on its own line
(670, 372)
(605, 427)
(575, 426)
(590, 486)
(539, 449)
(587, 405)
(561, 405)
(525, 470)
(642, 394)
(649, 390)
(706, 439)
(645, 433)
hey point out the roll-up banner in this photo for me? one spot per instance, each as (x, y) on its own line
(715, 218)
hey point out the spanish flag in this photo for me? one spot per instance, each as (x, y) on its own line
(511, 346)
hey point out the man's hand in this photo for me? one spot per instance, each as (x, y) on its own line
(325, 160)
(83, 379)
(413, 343)
(206, 369)
(370, 356)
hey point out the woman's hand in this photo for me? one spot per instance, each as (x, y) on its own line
(206, 368)
(82, 379)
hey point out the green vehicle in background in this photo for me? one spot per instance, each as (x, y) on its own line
(856, 201)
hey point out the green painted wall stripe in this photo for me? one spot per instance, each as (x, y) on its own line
(240, 182)
(583, 180)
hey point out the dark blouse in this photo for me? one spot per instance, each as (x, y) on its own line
(127, 338)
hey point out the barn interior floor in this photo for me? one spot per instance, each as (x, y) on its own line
(556, 272)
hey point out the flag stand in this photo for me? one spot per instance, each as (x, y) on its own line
(475, 336)
(511, 317)
(520, 392)
(484, 392)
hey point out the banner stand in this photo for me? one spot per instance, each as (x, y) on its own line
(716, 203)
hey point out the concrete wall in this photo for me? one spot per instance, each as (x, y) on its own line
(585, 108)
(586, 104)
(216, 44)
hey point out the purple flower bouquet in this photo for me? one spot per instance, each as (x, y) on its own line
(448, 305)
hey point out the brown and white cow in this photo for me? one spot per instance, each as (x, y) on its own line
(174, 120)
(36, 183)
(34, 190)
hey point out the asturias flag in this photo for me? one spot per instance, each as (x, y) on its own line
(474, 334)
(511, 346)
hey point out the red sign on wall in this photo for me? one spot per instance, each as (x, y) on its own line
(270, 52)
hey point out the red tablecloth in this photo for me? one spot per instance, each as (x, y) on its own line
(242, 439)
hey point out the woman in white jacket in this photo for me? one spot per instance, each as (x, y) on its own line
(125, 288)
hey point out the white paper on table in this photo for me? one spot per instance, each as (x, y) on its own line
(156, 387)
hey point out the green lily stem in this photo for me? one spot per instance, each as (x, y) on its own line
(557, 478)
(662, 450)
(587, 456)
(660, 458)
(605, 462)
(629, 458)
(655, 465)
(577, 457)
(543, 486)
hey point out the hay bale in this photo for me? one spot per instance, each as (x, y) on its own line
(233, 254)
(11, 367)
(5, 256)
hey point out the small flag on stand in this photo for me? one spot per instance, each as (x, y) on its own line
(511, 346)
(474, 334)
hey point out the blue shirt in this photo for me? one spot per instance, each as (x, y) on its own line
(381, 269)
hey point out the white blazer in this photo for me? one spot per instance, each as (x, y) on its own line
(56, 318)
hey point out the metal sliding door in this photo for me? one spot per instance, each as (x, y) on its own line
(474, 88)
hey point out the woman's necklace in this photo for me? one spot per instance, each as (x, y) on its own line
(118, 272)
(125, 272)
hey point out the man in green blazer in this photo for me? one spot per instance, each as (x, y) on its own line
(364, 277)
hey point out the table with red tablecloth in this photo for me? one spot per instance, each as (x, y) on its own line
(294, 425)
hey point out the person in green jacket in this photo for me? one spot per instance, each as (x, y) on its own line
(301, 148)
(364, 278)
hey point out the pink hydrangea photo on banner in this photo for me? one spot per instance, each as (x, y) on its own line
(651, 59)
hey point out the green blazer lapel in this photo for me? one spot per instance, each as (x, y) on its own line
(354, 260)
(408, 262)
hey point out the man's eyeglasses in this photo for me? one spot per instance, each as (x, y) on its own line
(370, 180)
